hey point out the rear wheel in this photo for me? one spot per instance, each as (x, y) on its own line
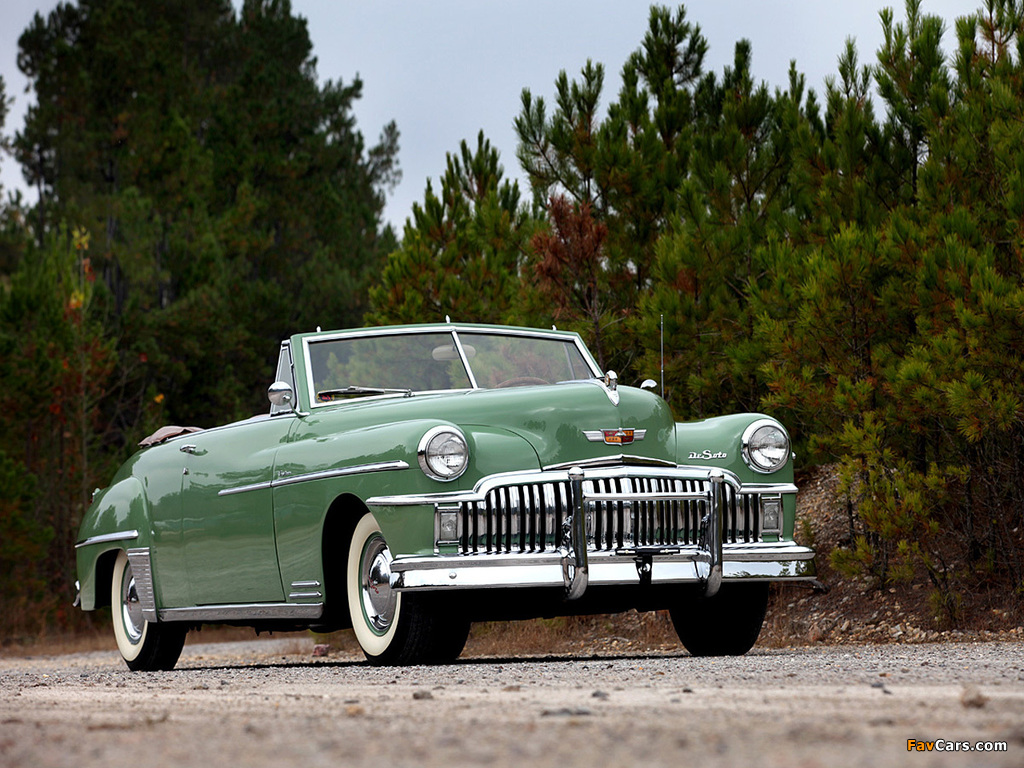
(144, 645)
(724, 625)
(393, 628)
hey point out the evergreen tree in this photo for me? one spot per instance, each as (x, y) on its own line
(219, 180)
(462, 249)
(623, 172)
(59, 369)
(712, 266)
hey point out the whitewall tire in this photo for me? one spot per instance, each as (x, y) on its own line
(144, 645)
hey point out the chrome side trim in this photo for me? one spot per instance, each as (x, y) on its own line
(245, 488)
(305, 590)
(253, 612)
(108, 537)
(142, 571)
(383, 466)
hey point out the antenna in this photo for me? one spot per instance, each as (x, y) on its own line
(662, 324)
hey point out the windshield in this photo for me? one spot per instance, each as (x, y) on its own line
(507, 361)
(426, 362)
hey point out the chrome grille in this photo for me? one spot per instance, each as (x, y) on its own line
(528, 517)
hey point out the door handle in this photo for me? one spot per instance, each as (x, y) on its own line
(187, 449)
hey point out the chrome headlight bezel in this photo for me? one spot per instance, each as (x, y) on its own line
(443, 453)
(754, 447)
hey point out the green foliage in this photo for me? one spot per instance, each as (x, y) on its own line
(58, 372)
(462, 250)
(577, 280)
(201, 197)
(622, 175)
(218, 179)
(23, 544)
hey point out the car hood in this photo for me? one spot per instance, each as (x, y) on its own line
(552, 419)
(555, 421)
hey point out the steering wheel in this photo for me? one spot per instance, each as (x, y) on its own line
(521, 381)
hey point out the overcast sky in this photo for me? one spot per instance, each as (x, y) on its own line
(445, 69)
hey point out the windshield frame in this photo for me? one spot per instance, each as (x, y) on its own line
(307, 340)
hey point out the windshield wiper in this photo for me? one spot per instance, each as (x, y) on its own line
(329, 394)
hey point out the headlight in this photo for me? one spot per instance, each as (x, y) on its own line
(443, 453)
(765, 446)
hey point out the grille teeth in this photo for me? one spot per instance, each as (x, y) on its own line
(527, 518)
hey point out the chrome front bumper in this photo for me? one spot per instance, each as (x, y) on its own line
(785, 561)
(603, 526)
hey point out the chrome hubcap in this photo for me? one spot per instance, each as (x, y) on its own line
(379, 599)
(131, 610)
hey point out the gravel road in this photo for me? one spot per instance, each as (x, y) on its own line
(270, 702)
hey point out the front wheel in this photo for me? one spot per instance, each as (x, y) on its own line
(393, 628)
(145, 646)
(724, 625)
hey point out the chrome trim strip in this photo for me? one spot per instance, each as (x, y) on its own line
(253, 611)
(383, 466)
(305, 584)
(303, 595)
(142, 571)
(108, 537)
(246, 488)
(618, 459)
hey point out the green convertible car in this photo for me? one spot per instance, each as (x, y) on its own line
(410, 480)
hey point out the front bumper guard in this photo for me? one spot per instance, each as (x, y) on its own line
(707, 558)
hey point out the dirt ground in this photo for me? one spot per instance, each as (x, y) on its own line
(272, 702)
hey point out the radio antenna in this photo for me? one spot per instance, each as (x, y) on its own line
(662, 356)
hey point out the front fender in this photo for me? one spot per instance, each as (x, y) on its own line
(717, 442)
(300, 508)
(117, 519)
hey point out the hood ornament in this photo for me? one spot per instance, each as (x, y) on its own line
(611, 386)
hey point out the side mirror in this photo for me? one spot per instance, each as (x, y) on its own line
(649, 384)
(280, 394)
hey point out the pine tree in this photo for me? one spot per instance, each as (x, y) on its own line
(218, 179)
(462, 249)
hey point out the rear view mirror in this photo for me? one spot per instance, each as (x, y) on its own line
(280, 393)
